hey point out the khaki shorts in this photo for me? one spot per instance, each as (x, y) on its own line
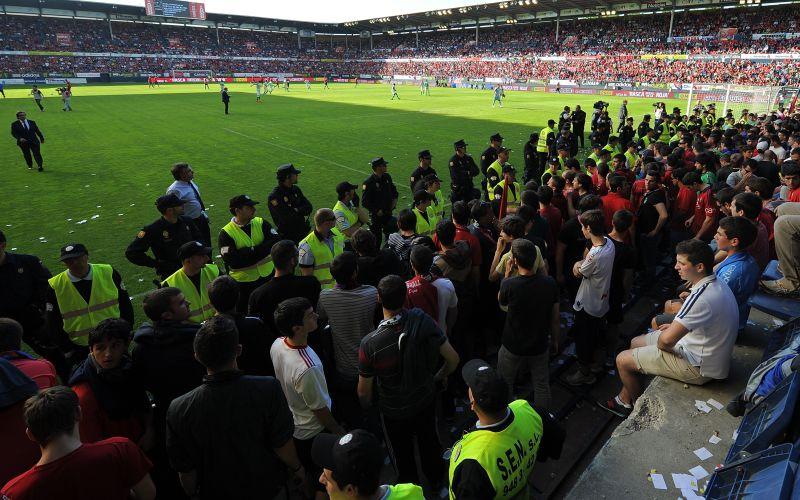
(651, 360)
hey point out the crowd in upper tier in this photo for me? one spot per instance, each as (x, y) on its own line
(623, 38)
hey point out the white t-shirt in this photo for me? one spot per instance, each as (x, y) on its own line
(596, 269)
(300, 373)
(447, 298)
(711, 315)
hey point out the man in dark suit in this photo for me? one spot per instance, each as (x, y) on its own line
(226, 98)
(29, 138)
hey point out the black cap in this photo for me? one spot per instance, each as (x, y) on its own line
(378, 162)
(421, 196)
(459, 144)
(72, 250)
(596, 145)
(489, 390)
(168, 201)
(351, 458)
(535, 135)
(503, 150)
(344, 187)
(286, 170)
(496, 137)
(425, 153)
(432, 178)
(241, 201)
(509, 168)
(553, 160)
(193, 248)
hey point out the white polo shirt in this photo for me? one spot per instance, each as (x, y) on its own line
(711, 315)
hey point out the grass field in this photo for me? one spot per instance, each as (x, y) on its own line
(107, 161)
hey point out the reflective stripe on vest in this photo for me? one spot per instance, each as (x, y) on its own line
(80, 317)
(541, 146)
(512, 197)
(260, 269)
(507, 456)
(323, 257)
(424, 227)
(352, 217)
(200, 308)
(437, 205)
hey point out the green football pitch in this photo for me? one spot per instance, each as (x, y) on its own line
(107, 161)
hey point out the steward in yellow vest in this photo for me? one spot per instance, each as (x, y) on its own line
(320, 247)
(496, 459)
(547, 137)
(426, 220)
(193, 279)
(433, 185)
(349, 218)
(245, 244)
(553, 169)
(495, 171)
(512, 193)
(83, 296)
(352, 462)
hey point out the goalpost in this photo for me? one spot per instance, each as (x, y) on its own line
(735, 98)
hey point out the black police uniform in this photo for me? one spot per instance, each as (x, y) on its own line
(531, 160)
(462, 170)
(164, 238)
(641, 131)
(290, 209)
(568, 142)
(380, 194)
(488, 157)
(626, 134)
(578, 125)
(419, 174)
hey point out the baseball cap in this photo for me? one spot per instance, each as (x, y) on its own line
(168, 201)
(377, 162)
(425, 153)
(344, 187)
(488, 389)
(762, 146)
(553, 161)
(72, 250)
(353, 458)
(241, 201)
(191, 249)
(496, 137)
(503, 150)
(459, 144)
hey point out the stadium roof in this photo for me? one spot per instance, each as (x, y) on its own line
(464, 17)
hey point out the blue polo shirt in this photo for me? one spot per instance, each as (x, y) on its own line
(740, 271)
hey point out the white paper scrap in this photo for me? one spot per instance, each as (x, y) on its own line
(698, 472)
(703, 453)
(684, 481)
(735, 434)
(714, 439)
(702, 406)
(658, 481)
(689, 494)
(716, 404)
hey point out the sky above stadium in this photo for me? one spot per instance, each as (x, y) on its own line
(320, 11)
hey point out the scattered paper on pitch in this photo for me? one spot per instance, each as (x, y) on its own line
(703, 453)
(714, 439)
(684, 481)
(689, 494)
(702, 406)
(716, 404)
(658, 481)
(699, 472)
(95, 216)
(81, 221)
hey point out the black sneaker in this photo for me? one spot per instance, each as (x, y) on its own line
(615, 408)
(41, 169)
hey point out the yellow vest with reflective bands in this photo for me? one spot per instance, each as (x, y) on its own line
(507, 456)
(541, 146)
(425, 227)
(512, 196)
(631, 157)
(323, 257)
(437, 205)
(200, 308)
(407, 491)
(352, 217)
(261, 268)
(79, 316)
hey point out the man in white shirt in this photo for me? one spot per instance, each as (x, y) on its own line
(591, 302)
(185, 188)
(300, 372)
(697, 346)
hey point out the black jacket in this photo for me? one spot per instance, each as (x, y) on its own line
(164, 239)
(32, 134)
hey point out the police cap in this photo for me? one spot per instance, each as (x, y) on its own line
(286, 170)
(459, 144)
(496, 137)
(192, 248)
(378, 162)
(242, 201)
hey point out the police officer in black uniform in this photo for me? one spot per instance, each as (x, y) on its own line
(164, 237)
(288, 206)
(531, 160)
(462, 169)
(23, 295)
(423, 170)
(379, 197)
(488, 157)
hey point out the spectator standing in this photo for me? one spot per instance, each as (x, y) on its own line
(651, 218)
(375, 264)
(703, 223)
(400, 242)
(430, 292)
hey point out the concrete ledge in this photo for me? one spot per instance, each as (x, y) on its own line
(662, 433)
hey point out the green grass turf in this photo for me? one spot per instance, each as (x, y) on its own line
(110, 157)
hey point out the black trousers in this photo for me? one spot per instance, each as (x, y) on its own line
(39, 103)
(28, 148)
(382, 225)
(579, 132)
(202, 225)
(400, 434)
(465, 195)
(588, 336)
(226, 107)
